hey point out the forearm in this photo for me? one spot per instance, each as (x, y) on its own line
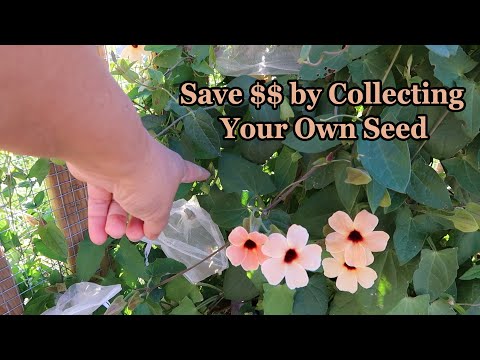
(61, 101)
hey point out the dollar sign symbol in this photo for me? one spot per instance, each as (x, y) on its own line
(275, 97)
(257, 96)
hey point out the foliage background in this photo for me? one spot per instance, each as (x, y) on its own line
(426, 194)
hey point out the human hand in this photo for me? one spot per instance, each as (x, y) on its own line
(144, 190)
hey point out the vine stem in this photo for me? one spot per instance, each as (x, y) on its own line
(386, 73)
(171, 278)
(435, 127)
(282, 195)
(177, 120)
(320, 60)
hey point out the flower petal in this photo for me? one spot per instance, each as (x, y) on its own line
(370, 257)
(311, 257)
(276, 246)
(238, 236)
(297, 236)
(236, 254)
(251, 261)
(355, 255)
(336, 242)
(296, 276)
(273, 270)
(341, 222)
(347, 281)
(261, 256)
(258, 238)
(365, 222)
(366, 277)
(376, 241)
(332, 267)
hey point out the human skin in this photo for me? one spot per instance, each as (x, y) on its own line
(61, 101)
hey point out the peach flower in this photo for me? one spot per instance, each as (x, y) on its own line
(245, 248)
(134, 52)
(348, 277)
(356, 238)
(290, 257)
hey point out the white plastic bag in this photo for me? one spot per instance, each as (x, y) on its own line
(236, 60)
(83, 299)
(190, 236)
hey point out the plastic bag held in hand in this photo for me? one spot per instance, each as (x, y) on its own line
(190, 236)
(83, 299)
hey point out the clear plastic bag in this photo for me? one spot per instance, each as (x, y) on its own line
(83, 299)
(237, 60)
(190, 236)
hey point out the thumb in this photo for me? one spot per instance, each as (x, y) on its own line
(193, 172)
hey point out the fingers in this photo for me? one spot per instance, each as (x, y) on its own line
(98, 205)
(153, 228)
(193, 172)
(135, 229)
(116, 221)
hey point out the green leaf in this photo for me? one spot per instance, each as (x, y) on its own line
(408, 237)
(161, 267)
(148, 308)
(468, 245)
(346, 192)
(40, 170)
(238, 174)
(286, 166)
(375, 193)
(371, 67)
(426, 187)
(237, 286)
(473, 152)
(468, 292)
(466, 175)
(312, 146)
(449, 137)
(186, 307)
(265, 114)
(200, 130)
(440, 307)
(54, 240)
(258, 151)
(39, 303)
(398, 113)
(200, 51)
(412, 306)
(356, 176)
(388, 162)
(131, 261)
(159, 48)
(180, 287)
(472, 273)
(450, 69)
(277, 300)
(463, 220)
(280, 219)
(157, 76)
(202, 67)
(436, 272)
(152, 122)
(322, 177)
(168, 58)
(314, 212)
(89, 257)
(228, 211)
(313, 298)
(443, 50)
(472, 106)
(159, 100)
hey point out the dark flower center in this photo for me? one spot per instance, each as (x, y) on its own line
(290, 255)
(349, 267)
(249, 244)
(135, 46)
(355, 236)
